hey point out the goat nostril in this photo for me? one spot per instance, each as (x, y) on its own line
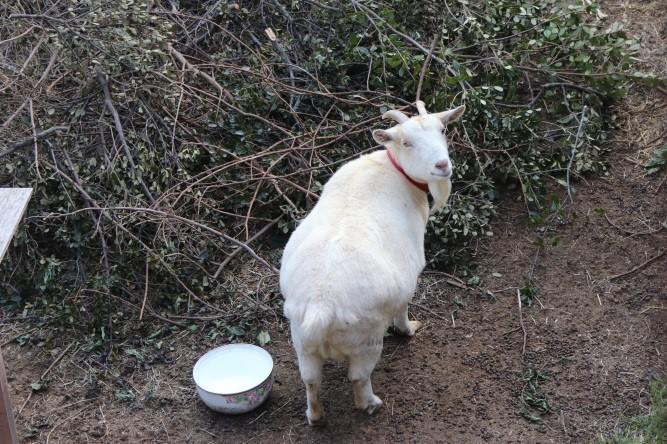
(442, 165)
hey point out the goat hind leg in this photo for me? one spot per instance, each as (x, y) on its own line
(310, 367)
(359, 372)
(404, 325)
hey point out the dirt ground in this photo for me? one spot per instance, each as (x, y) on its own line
(599, 341)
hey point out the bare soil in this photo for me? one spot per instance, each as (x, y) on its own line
(599, 341)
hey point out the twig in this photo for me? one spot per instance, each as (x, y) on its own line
(425, 67)
(638, 267)
(222, 91)
(455, 281)
(203, 227)
(20, 410)
(290, 69)
(662, 182)
(36, 17)
(405, 36)
(104, 420)
(41, 378)
(14, 338)
(16, 37)
(149, 310)
(60, 356)
(655, 139)
(456, 19)
(635, 233)
(396, 31)
(511, 331)
(451, 276)
(457, 284)
(523, 328)
(211, 81)
(102, 81)
(20, 73)
(143, 304)
(35, 137)
(233, 254)
(96, 218)
(321, 5)
(414, 304)
(154, 211)
(633, 161)
(652, 307)
(540, 93)
(13, 116)
(48, 435)
(52, 62)
(572, 86)
(574, 151)
(210, 15)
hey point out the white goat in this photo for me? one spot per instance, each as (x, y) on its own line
(351, 267)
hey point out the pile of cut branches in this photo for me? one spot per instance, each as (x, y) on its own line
(164, 139)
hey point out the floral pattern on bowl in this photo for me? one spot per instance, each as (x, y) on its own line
(240, 402)
(253, 397)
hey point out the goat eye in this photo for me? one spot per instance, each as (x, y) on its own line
(407, 144)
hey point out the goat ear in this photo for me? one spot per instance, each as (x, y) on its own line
(451, 115)
(382, 136)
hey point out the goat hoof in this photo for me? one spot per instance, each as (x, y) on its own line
(319, 423)
(373, 405)
(413, 326)
(315, 420)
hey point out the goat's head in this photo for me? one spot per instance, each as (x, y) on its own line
(419, 145)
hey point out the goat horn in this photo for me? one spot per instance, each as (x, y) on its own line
(396, 115)
(421, 107)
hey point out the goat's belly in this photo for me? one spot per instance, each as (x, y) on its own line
(340, 345)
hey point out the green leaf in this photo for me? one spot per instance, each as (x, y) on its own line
(38, 386)
(263, 338)
(135, 353)
(528, 295)
(236, 330)
(658, 160)
(394, 61)
(125, 395)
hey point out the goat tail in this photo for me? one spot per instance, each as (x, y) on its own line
(315, 323)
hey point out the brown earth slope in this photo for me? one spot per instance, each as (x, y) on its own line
(598, 341)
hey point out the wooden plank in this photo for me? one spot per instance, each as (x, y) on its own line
(7, 425)
(13, 202)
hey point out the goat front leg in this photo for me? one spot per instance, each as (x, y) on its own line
(404, 325)
(310, 367)
(359, 372)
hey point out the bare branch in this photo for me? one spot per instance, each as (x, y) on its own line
(101, 79)
(37, 136)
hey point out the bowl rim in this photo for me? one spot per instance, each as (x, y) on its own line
(237, 393)
(235, 345)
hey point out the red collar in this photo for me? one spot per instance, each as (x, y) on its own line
(422, 186)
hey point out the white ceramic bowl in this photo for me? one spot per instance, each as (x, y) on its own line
(234, 378)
